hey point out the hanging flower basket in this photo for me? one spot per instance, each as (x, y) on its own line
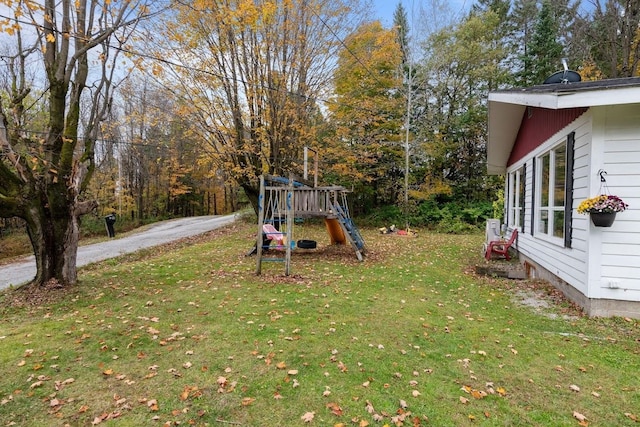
(602, 219)
(602, 209)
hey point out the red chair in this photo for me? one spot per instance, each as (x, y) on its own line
(501, 247)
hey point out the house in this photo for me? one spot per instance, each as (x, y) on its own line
(557, 144)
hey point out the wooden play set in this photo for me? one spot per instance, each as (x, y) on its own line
(284, 201)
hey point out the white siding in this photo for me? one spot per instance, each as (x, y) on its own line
(620, 244)
(603, 263)
(569, 264)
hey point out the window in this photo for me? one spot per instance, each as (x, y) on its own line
(552, 192)
(516, 190)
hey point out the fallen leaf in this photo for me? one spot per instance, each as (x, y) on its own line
(334, 408)
(369, 408)
(478, 394)
(578, 416)
(281, 365)
(464, 400)
(152, 404)
(308, 417)
(574, 387)
(248, 401)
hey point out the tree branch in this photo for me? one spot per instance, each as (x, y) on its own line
(85, 207)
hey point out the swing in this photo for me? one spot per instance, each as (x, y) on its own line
(273, 234)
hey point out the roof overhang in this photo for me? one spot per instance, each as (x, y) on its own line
(507, 107)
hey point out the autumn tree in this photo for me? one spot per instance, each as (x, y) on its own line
(46, 165)
(162, 169)
(463, 64)
(368, 113)
(250, 74)
(613, 37)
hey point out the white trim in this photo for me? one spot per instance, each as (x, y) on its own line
(594, 235)
(551, 209)
(562, 100)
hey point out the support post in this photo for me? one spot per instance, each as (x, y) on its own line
(261, 203)
(289, 214)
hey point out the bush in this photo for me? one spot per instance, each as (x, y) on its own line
(446, 217)
(383, 216)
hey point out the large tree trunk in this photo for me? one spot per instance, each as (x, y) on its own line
(54, 232)
(42, 179)
(252, 193)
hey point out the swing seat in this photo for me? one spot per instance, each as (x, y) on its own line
(273, 234)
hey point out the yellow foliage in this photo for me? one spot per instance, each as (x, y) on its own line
(590, 71)
(633, 50)
(431, 187)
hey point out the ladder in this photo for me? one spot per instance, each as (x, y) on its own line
(340, 208)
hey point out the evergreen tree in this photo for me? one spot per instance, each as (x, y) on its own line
(544, 51)
(401, 25)
(499, 7)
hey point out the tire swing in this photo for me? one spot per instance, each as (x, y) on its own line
(306, 244)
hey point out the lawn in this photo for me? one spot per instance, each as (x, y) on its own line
(187, 334)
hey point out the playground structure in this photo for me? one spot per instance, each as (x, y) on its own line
(283, 201)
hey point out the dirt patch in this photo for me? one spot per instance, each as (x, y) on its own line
(539, 295)
(545, 300)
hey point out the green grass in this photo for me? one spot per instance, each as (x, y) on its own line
(189, 335)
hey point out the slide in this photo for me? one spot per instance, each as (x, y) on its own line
(335, 231)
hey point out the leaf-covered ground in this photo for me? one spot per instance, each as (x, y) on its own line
(187, 334)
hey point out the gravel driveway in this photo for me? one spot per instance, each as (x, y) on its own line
(159, 233)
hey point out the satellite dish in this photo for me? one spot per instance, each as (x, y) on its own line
(565, 76)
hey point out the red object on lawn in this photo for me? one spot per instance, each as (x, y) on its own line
(501, 247)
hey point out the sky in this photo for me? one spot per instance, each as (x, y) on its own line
(384, 8)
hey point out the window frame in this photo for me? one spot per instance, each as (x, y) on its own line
(516, 200)
(553, 210)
